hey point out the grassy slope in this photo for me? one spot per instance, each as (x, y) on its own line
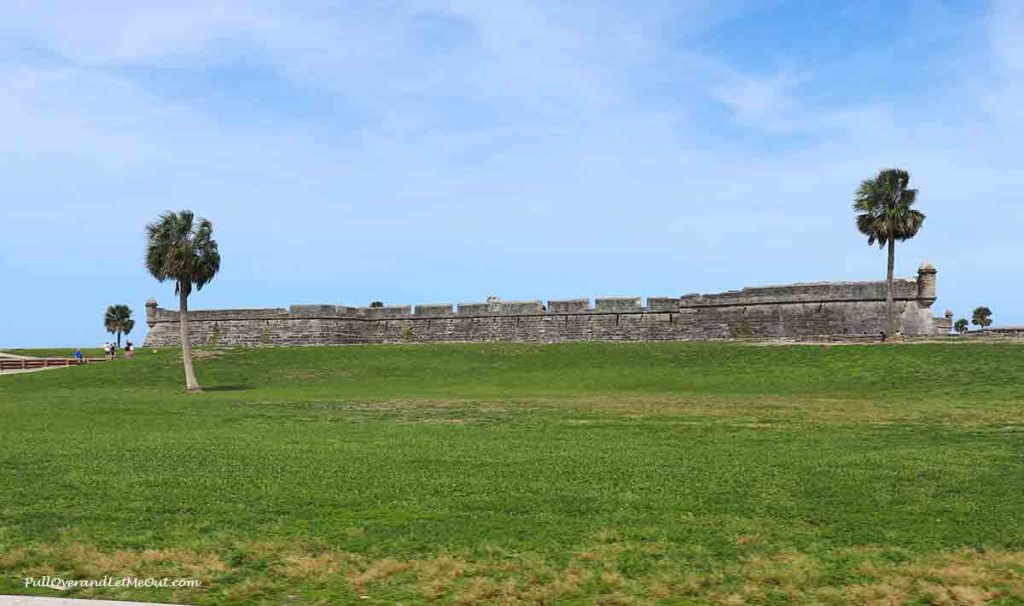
(659, 472)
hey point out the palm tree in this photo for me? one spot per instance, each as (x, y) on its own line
(118, 320)
(982, 317)
(181, 248)
(885, 215)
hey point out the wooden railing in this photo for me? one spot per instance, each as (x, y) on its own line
(34, 363)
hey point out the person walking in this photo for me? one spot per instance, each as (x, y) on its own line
(78, 355)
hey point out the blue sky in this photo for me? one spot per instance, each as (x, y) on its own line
(443, 151)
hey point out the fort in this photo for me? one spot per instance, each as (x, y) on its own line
(811, 311)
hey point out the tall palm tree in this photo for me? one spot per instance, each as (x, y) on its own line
(181, 248)
(118, 320)
(885, 214)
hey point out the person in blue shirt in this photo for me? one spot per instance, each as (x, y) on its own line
(78, 355)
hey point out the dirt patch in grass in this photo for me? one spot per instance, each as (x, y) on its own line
(317, 567)
(764, 413)
(435, 577)
(768, 412)
(963, 577)
(595, 573)
(91, 562)
(377, 571)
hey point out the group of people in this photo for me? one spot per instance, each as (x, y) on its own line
(110, 350)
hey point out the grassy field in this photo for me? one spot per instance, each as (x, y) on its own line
(611, 473)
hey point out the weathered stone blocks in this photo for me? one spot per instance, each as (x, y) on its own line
(822, 310)
(569, 306)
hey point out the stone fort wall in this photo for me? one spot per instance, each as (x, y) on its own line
(823, 310)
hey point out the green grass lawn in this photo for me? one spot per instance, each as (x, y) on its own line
(676, 473)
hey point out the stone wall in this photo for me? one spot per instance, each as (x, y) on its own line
(823, 310)
(997, 333)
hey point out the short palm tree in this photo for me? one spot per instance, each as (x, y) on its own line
(181, 248)
(885, 214)
(118, 320)
(982, 317)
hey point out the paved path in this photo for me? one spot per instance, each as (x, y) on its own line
(18, 600)
(18, 371)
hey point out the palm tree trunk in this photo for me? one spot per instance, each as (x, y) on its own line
(890, 325)
(186, 344)
(119, 339)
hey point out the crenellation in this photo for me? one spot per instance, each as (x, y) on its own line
(805, 311)
(519, 308)
(314, 311)
(617, 304)
(473, 309)
(662, 303)
(569, 306)
(213, 315)
(435, 310)
(388, 311)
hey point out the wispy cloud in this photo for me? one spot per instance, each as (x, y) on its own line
(452, 149)
(1006, 31)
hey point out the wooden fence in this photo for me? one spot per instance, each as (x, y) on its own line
(34, 363)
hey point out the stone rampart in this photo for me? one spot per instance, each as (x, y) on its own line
(812, 311)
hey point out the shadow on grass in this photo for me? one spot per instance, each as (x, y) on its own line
(227, 388)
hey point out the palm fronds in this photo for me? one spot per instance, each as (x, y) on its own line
(884, 207)
(182, 248)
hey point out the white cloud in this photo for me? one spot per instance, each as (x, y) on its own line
(486, 133)
(109, 32)
(760, 102)
(1007, 26)
(1005, 98)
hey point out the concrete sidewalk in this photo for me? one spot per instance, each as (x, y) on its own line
(18, 600)
(18, 371)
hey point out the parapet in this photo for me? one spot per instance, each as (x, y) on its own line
(569, 306)
(387, 312)
(618, 304)
(474, 309)
(314, 311)
(905, 289)
(662, 303)
(496, 307)
(920, 290)
(520, 308)
(436, 310)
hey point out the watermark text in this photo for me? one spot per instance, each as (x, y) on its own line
(62, 584)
